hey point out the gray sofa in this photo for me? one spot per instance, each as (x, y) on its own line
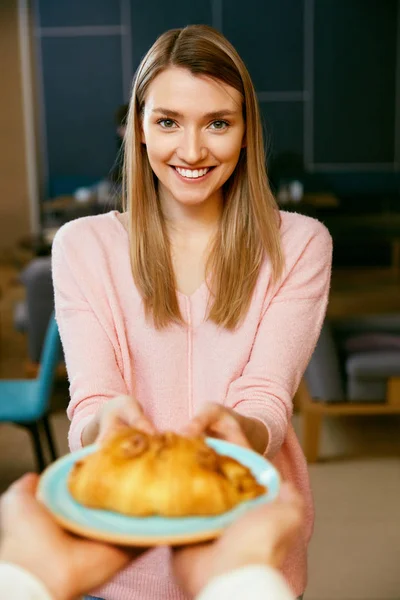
(354, 358)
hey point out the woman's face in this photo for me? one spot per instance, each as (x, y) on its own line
(193, 129)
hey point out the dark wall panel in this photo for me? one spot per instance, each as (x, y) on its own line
(354, 80)
(151, 19)
(269, 38)
(283, 127)
(354, 58)
(71, 13)
(83, 87)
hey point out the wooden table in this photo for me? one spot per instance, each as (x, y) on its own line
(313, 411)
(356, 292)
(321, 200)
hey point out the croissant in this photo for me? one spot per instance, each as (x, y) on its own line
(166, 474)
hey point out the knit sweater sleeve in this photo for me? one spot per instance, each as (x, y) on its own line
(93, 372)
(287, 334)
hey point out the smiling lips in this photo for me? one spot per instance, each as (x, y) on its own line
(192, 173)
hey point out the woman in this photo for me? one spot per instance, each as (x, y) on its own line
(198, 308)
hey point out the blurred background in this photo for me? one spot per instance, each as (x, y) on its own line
(327, 75)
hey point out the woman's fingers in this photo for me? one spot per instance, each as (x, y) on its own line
(144, 424)
(109, 426)
(229, 429)
(218, 421)
(204, 420)
(122, 412)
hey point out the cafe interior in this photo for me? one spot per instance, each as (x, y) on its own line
(327, 76)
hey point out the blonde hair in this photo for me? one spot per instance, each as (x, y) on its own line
(249, 226)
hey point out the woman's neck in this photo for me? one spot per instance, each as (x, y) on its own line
(185, 220)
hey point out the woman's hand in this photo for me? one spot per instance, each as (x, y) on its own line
(114, 415)
(220, 422)
(224, 423)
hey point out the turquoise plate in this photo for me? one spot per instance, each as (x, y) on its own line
(148, 531)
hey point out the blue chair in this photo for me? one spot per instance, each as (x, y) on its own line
(26, 402)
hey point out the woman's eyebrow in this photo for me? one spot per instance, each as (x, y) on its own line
(218, 114)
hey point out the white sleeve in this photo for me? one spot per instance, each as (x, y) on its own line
(18, 584)
(256, 582)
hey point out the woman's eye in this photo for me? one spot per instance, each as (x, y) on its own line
(219, 125)
(166, 123)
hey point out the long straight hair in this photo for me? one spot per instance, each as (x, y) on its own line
(249, 230)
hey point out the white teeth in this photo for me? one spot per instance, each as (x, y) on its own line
(192, 174)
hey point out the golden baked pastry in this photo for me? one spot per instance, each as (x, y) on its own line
(166, 474)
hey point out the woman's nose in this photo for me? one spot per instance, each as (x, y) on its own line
(191, 148)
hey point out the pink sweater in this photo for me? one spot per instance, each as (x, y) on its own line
(110, 349)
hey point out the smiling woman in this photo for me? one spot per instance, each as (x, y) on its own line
(194, 107)
(188, 145)
(198, 308)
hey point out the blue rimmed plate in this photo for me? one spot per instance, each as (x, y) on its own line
(148, 531)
